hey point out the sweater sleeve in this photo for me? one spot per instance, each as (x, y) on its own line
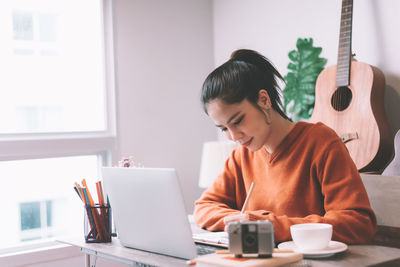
(220, 200)
(346, 202)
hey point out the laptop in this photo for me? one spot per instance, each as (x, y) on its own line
(149, 212)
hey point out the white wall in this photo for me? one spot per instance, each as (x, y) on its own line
(272, 28)
(163, 53)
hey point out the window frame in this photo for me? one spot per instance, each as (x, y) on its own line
(24, 146)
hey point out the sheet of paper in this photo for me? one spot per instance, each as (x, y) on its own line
(219, 238)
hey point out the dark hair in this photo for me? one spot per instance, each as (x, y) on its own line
(242, 77)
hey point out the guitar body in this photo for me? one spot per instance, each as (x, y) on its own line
(360, 119)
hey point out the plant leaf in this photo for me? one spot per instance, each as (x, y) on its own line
(304, 68)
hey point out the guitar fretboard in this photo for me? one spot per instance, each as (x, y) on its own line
(344, 51)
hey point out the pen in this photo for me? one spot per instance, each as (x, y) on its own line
(79, 195)
(247, 198)
(89, 212)
(100, 193)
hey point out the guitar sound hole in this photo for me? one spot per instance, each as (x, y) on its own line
(341, 98)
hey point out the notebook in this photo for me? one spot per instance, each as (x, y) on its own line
(219, 239)
(148, 210)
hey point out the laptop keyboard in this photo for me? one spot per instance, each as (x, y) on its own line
(203, 249)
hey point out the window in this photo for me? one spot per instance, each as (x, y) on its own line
(36, 218)
(57, 122)
(54, 61)
(39, 192)
(30, 215)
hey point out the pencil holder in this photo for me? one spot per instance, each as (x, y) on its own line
(97, 224)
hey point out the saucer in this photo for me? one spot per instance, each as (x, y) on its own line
(333, 247)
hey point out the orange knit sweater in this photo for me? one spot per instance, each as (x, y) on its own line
(310, 177)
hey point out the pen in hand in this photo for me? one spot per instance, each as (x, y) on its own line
(247, 198)
(241, 215)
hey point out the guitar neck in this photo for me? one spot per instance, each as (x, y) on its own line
(344, 51)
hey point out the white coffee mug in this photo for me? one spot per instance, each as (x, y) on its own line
(311, 236)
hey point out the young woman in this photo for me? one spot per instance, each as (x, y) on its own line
(302, 172)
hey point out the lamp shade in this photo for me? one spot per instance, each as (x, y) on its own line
(213, 160)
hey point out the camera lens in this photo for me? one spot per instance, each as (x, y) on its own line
(250, 239)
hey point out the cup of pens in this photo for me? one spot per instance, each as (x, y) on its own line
(97, 217)
(97, 224)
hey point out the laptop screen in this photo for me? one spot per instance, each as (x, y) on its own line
(148, 210)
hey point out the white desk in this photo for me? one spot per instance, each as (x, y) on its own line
(116, 252)
(356, 255)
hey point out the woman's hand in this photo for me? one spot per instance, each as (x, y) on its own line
(236, 217)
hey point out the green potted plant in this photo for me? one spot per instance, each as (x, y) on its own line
(304, 68)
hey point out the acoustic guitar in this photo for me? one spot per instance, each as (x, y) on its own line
(349, 98)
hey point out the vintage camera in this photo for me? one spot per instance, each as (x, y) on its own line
(251, 237)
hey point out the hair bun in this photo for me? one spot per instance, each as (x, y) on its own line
(248, 56)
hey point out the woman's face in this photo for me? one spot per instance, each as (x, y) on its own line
(241, 122)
